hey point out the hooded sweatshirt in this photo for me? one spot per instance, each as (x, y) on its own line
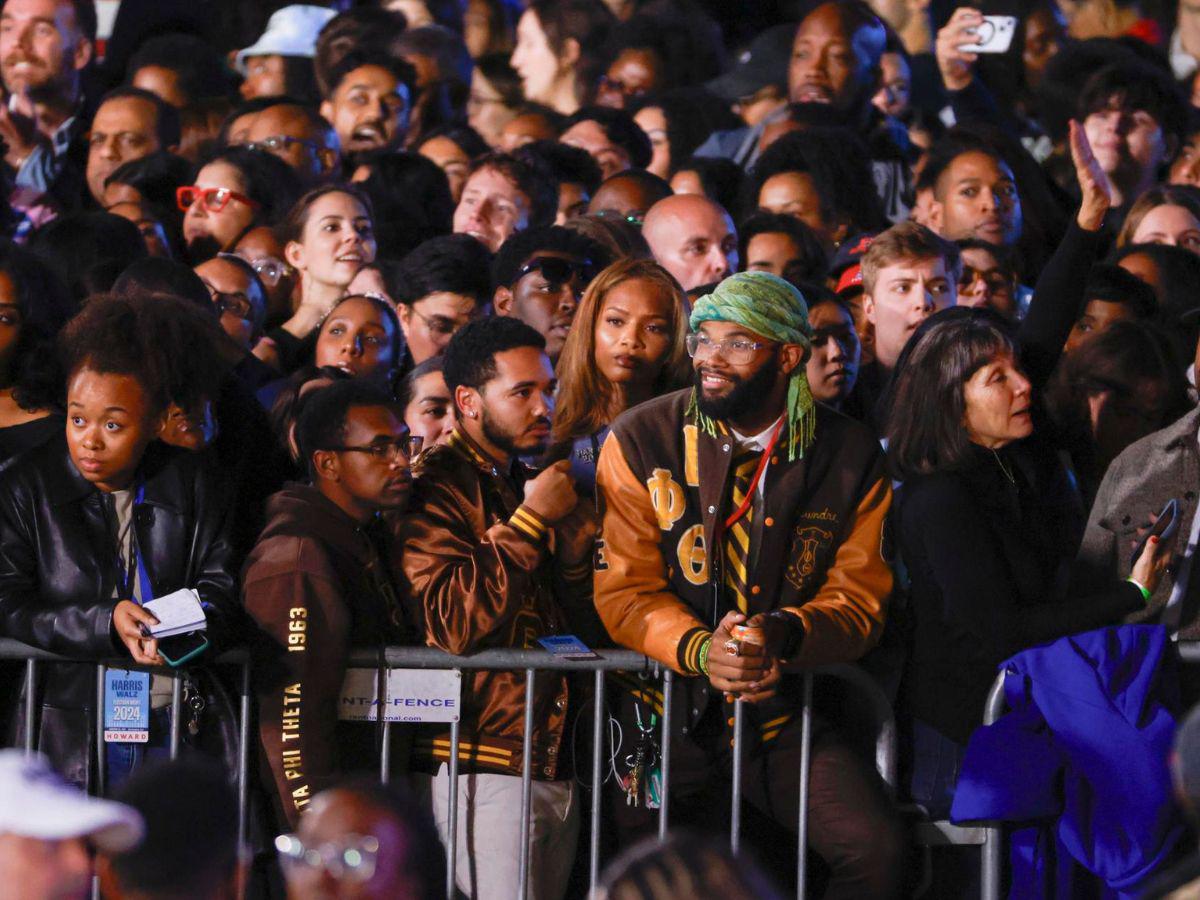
(316, 584)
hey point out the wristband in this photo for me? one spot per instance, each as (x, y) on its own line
(1141, 587)
(702, 656)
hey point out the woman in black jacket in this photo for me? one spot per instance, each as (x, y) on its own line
(985, 522)
(104, 518)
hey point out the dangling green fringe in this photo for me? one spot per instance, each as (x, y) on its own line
(693, 410)
(800, 410)
(801, 415)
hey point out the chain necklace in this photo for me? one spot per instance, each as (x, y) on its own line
(1003, 468)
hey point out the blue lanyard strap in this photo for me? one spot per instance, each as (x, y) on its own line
(135, 563)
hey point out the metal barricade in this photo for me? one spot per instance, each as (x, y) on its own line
(531, 662)
(34, 659)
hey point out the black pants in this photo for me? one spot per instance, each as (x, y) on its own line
(852, 825)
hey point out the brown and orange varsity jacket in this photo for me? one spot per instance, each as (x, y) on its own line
(816, 545)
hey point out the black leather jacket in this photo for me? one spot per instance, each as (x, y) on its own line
(58, 572)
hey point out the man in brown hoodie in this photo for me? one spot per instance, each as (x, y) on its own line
(317, 584)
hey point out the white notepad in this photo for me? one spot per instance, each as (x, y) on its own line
(177, 613)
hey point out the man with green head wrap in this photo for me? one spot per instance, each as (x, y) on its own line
(741, 543)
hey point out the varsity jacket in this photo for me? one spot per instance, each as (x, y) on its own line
(480, 570)
(817, 545)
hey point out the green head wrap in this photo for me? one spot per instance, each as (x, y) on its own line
(770, 306)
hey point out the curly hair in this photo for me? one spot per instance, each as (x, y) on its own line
(167, 344)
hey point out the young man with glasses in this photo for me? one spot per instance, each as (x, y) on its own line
(540, 276)
(498, 556)
(439, 287)
(300, 137)
(366, 841)
(319, 582)
(742, 502)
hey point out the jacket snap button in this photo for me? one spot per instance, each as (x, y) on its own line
(756, 589)
(560, 704)
(768, 521)
(731, 721)
(548, 771)
(774, 460)
(712, 509)
(725, 447)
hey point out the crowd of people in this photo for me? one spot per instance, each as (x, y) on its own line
(753, 338)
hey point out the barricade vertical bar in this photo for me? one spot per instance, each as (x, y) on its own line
(668, 683)
(30, 705)
(991, 855)
(805, 765)
(526, 785)
(101, 763)
(452, 850)
(385, 753)
(176, 712)
(735, 817)
(597, 779)
(243, 774)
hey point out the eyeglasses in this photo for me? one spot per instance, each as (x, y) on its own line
(238, 304)
(277, 142)
(995, 280)
(268, 268)
(558, 271)
(352, 859)
(234, 302)
(633, 218)
(406, 447)
(213, 199)
(736, 351)
(620, 87)
(442, 325)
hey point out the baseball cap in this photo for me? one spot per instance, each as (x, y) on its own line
(38, 803)
(291, 31)
(847, 263)
(763, 63)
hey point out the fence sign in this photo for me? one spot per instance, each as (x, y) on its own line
(410, 695)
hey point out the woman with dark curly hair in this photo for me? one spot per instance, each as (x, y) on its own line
(105, 519)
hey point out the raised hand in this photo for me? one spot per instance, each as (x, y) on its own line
(1096, 189)
(956, 65)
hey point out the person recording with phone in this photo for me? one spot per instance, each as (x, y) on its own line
(1137, 490)
(105, 518)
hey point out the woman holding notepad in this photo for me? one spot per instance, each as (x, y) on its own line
(104, 522)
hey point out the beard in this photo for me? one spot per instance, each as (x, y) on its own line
(744, 398)
(508, 441)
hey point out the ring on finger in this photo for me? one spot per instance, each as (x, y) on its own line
(733, 648)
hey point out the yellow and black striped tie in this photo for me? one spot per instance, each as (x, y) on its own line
(737, 538)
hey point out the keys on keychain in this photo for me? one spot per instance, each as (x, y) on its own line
(195, 703)
(643, 779)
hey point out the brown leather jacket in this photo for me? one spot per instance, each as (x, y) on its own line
(479, 568)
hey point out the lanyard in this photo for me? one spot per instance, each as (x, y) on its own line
(758, 473)
(125, 571)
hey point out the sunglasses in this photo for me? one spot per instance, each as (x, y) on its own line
(213, 199)
(558, 271)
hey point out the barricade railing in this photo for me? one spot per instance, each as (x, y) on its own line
(531, 663)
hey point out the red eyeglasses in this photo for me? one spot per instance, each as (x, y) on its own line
(213, 199)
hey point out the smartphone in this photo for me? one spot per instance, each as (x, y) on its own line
(180, 649)
(1164, 528)
(993, 36)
